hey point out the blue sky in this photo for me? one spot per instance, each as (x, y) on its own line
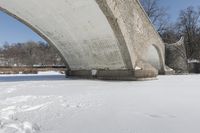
(12, 31)
(174, 6)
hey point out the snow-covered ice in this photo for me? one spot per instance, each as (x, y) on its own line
(49, 103)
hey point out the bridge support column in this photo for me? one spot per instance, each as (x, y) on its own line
(142, 72)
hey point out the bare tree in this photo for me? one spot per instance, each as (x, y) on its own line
(30, 54)
(156, 13)
(171, 34)
(188, 25)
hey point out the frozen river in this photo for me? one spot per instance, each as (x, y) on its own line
(49, 103)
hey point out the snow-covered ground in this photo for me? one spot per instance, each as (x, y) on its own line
(49, 103)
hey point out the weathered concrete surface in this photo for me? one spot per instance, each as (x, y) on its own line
(95, 35)
(176, 57)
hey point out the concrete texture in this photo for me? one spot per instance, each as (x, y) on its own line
(95, 35)
(176, 57)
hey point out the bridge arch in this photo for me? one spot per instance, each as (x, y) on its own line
(160, 59)
(102, 35)
(78, 43)
(38, 32)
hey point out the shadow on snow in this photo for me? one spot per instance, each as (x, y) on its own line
(18, 78)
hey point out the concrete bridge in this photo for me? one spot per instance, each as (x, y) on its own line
(106, 39)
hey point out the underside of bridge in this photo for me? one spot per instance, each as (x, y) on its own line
(106, 39)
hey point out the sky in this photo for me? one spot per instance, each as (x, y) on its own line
(175, 6)
(12, 31)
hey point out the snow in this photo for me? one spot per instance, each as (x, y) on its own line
(137, 68)
(193, 61)
(49, 103)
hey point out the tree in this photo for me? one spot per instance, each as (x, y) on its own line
(157, 14)
(188, 25)
(30, 53)
(171, 34)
